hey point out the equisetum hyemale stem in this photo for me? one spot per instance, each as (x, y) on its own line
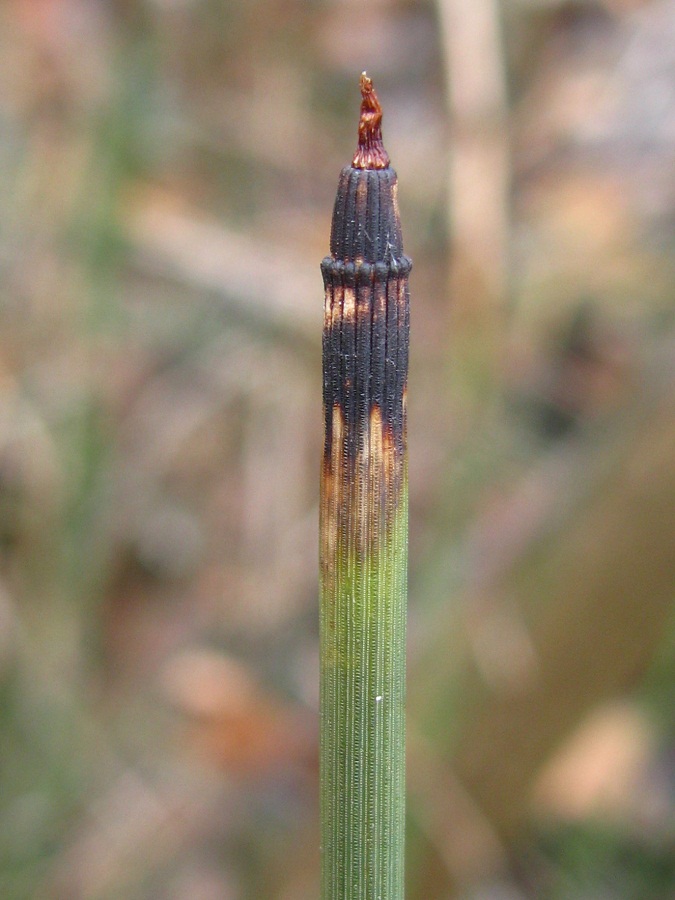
(364, 529)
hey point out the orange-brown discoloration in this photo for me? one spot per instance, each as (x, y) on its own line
(331, 479)
(359, 496)
(394, 200)
(365, 367)
(365, 352)
(345, 304)
(327, 308)
(402, 292)
(337, 294)
(362, 194)
(349, 304)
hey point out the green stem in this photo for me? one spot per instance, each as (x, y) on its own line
(364, 529)
(363, 623)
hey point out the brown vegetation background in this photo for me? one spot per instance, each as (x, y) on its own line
(167, 174)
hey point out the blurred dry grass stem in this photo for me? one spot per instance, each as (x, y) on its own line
(479, 166)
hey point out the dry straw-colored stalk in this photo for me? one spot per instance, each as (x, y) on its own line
(364, 528)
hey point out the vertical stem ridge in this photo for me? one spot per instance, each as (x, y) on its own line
(364, 515)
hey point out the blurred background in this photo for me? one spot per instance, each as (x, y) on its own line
(167, 175)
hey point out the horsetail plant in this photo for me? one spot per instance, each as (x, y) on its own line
(364, 528)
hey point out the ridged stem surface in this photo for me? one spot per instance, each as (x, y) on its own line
(363, 727)
(364, 525)
(364, 528)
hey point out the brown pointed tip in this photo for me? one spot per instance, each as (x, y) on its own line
(370, 153)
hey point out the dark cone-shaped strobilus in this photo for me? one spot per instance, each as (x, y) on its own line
(364, 528)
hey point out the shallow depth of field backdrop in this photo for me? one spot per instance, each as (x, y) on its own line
(167, 172)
